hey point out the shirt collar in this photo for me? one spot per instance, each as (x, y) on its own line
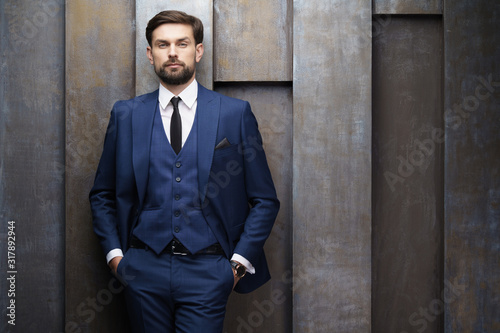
(188, 95)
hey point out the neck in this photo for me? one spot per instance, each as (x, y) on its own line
(176, 89)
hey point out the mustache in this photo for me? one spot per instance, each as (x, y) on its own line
(172, 62)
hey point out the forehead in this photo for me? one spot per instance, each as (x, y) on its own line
(173, 31)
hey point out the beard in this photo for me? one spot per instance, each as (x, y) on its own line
(176, 77)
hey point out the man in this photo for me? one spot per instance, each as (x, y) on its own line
(183, 199)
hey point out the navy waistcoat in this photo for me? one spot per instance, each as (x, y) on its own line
(172, 206)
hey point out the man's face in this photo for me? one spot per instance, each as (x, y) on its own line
(174, 53)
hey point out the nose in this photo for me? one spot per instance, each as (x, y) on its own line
(172, 52)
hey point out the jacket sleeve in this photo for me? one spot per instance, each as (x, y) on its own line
(103, 194)
(260, 191)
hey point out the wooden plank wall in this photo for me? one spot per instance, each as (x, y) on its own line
(408, 145)
(332, 166)
(347, 253)
(472, 175)
(100, 57)
(32, 165)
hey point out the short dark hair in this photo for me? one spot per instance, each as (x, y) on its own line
(175, 16)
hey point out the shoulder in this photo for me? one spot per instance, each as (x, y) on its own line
(152, 96)
(136, 102)
(225, 101)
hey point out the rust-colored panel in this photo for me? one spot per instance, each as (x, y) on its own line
(253, 40)
(100, 57)
(269, 309)
(31, 166)
(407, 7)
(472, 160)
(332, 166)
(408, 146)
(146, 79)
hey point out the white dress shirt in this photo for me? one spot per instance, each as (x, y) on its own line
(187, 110)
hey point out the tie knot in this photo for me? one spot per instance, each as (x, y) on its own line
(175, 101)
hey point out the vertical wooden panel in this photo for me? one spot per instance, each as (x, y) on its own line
(253, 40)
(407, 7)
(408, 138)
(146, 79)
(100, 57)
(332, 166)
(32, 164)
(472, 182)
(269, 309)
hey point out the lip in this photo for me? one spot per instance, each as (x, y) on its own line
(176, 65)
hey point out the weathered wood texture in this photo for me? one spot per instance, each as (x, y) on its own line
(100, 56)
(32, 164)
(408, 144)
(332, 166)
(269, 309)
(146, 79)
(324, 186)
(253, 40)
(472, 166)
(407, 7)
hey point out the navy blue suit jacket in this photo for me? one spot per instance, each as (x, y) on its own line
(234, 182)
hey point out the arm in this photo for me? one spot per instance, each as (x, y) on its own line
(102, 196)
(260, 191)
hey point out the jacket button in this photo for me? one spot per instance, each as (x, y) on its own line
(177, 197)
(177, 229)
(178, 179)
(178, 164)
(177, 213)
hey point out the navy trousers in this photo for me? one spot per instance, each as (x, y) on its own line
(174, 293)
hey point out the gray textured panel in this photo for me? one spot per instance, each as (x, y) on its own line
(146, 79)
(332, 166)
(269, 309)
(32, 164)
(472, 160)
(408, 147)
(100, 57)
(253, 40)
(407, 7)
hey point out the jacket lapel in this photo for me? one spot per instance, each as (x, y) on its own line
(142, 127)
(208, 121)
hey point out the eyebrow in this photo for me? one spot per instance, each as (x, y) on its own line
(184, 39)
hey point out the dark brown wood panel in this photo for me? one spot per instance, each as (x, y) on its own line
(408, 138)
(472, 160)
(32, 166)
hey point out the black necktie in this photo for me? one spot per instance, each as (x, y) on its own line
(176, 126)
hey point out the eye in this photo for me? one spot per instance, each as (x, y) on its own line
(162, 45)
(183, 44)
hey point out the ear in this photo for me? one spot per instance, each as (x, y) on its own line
(149, 53)
(199, 51)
